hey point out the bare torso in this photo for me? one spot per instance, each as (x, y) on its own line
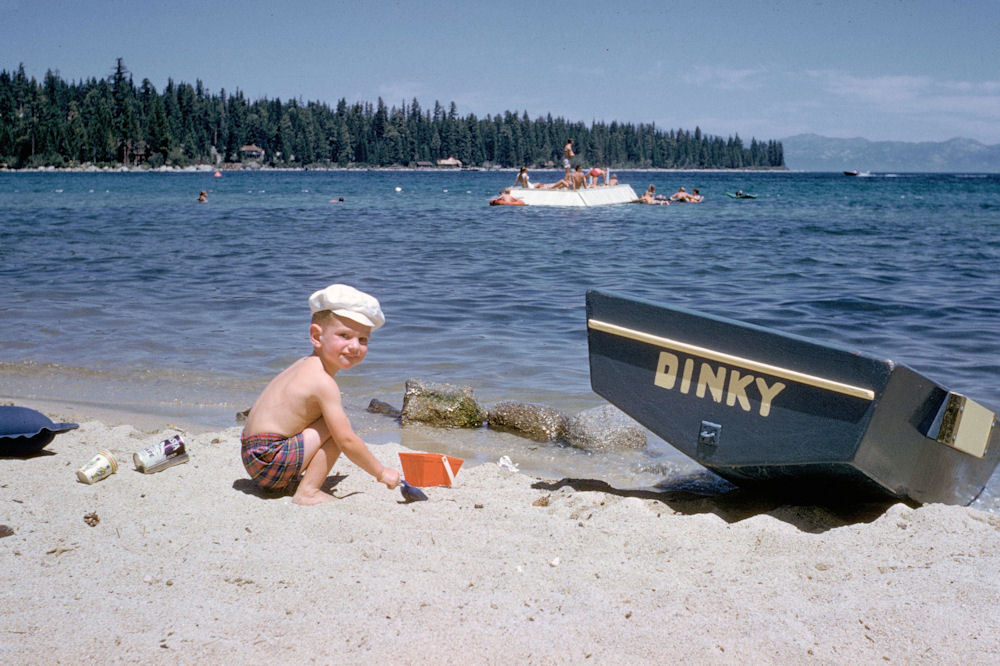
(288, 404)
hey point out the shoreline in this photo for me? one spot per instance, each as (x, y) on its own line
(194, 564)
(213, 405)
(207, 168)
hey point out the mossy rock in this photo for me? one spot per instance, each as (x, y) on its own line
(538, 422)
(441, 405)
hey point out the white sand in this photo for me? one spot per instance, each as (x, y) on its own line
(193, 565)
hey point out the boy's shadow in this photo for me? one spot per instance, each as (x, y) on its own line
(248, 487)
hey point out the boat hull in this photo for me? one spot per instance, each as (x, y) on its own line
(763, 408)
(591, 196)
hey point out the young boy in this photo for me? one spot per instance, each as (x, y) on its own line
(298, 424)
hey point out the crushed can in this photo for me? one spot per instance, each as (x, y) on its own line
(160, 456)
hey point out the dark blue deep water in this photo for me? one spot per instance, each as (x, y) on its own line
(121, 289)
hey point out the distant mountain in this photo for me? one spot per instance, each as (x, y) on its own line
(811, 152)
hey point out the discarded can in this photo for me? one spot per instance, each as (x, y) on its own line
(160, 456)
(99, 467)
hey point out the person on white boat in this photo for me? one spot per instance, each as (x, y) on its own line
(522, 179)
(567, 156)
(578, 179)
(612, 179)
(596, 173)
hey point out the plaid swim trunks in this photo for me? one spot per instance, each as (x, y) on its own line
(273, 461)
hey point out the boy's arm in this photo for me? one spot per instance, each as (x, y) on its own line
(349, 443)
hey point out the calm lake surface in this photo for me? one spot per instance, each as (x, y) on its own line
(120, 289)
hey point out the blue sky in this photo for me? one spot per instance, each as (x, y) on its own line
(916, 70)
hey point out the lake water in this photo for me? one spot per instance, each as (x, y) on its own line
(120, 289)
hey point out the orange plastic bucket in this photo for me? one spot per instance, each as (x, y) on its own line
(428, 469)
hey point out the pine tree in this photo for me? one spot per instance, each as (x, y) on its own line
(160, 139)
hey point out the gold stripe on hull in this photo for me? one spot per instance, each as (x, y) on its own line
(722, 357)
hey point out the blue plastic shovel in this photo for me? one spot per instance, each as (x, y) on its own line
(411, 493)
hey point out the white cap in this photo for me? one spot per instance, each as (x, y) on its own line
(345, 301)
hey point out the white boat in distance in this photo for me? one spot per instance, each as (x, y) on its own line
(590, 196)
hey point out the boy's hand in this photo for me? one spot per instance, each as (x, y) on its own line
(389, 477)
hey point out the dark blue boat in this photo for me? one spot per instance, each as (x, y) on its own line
(782, 412)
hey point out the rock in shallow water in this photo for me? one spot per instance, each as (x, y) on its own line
(604, 428)
(538, 422)
(441, 405)
(379, 407)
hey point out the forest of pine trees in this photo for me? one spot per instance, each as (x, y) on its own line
(110, 121)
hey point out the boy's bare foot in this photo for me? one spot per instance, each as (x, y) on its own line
(309, 497)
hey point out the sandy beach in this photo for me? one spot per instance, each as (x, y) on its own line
(195, 565)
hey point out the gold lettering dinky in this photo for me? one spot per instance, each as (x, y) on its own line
(712, 382)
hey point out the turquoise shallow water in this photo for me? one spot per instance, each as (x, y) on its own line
(120, 288)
